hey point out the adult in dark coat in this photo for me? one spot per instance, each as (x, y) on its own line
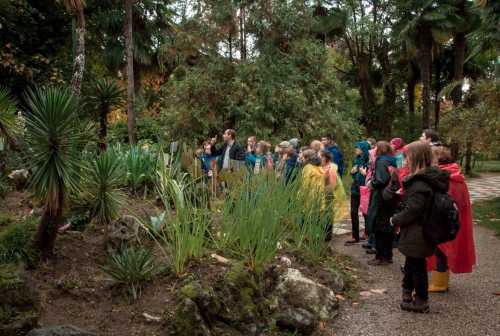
(379, 211)
(419, 189)
(230, 150)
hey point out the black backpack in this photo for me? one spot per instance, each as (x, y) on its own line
(443, 222)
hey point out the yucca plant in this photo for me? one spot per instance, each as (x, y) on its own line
(131, 267)
(8, 123)
(140, 166)
(105, 95)
(101, 179)
(54, 136)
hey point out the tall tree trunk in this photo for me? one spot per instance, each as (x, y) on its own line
(389, 91)
(437, 90)
(129, 47)
(47, 229)
(410, 94)
(468, 156)
(367, 94)
(424, 56)
(243, 43)
(103, 129)
(460, 44)
(79, 60)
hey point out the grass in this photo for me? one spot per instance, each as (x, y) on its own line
(487, 167)
(488, 214)
(16, 241)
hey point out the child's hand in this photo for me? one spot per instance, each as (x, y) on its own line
(354, 169)
(362, 170)
(210, 173)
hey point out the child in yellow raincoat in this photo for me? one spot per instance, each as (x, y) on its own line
(336, 196)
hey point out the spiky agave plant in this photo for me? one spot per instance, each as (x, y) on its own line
(53, 135)
(102, 179)
(105, 95)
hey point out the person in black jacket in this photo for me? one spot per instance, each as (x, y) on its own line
(419, 187)
(379, 212)
(230, 150)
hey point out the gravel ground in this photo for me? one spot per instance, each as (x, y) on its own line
(470, 307)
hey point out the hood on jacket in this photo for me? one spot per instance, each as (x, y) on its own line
(397, 143)
(365, 148)
(391, 159)
(454, 170)
(437, 178)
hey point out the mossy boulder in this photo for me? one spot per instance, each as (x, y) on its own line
(232, 305)
(20, 302)
(301, 303)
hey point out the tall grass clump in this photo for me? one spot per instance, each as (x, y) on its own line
(131, 267)
(255, 220)
(309, 232)
(187, 219)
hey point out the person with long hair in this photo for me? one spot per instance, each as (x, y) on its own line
(379, 212)
(459, 255)
(419, 187)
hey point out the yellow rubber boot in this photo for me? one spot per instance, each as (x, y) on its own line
(439, 282)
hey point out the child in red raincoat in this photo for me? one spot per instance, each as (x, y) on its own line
(459, 255)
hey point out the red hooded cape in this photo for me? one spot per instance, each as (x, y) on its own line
(460, 252)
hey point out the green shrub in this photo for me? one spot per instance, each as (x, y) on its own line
(16, 241)
(131, 267)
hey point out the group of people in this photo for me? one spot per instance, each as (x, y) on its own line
(257, 157)
(394, 185)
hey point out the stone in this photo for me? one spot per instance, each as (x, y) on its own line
(20, 302)
(301, 303)
(188, 320)
(123, 231)
(60, 330)
(19, 177)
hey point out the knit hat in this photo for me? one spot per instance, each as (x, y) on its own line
(294, 142)
(284, 144)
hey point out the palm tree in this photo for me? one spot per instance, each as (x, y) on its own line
(426, 25)
(106, 94)
(8, 124)
(53, 135)
(101, 184)
(129, 48)
(76, 7)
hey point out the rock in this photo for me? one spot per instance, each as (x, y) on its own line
(20, 302)
(60, 330)
(336, 281)
(188, 320)
(123, 231)
(19, 177)
(302, 303)
(220, 259)
(284, 260)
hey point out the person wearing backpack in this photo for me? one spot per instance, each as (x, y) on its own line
(420, 187)
(458, 255)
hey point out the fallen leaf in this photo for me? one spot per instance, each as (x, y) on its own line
(340, 297)
(365, 293)
(220, 259)
(151, 318)
(378, 291)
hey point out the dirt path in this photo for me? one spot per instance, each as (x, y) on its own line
(470, 308)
